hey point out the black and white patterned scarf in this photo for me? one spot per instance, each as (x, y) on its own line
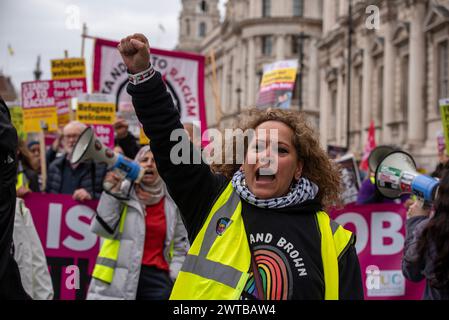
(300, 192)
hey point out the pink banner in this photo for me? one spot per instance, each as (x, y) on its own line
(66, 89)
(380, 231)
(182, 72)
(38, 94)
(105, 133)
(63, 226)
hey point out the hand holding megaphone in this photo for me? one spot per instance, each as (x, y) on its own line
(89, 147)
(396, 175)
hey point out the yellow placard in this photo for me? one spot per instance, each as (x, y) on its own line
(143, 138)
(96, 112)
(279, 75)
(72, 68)
(63, 119)
(444, 109)
(17, 121)
(34, 117)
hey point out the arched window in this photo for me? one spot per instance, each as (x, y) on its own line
(298, 8)
(203, 6)
(202, 29)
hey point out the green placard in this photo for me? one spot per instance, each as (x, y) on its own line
(17, 121)
(444, 110)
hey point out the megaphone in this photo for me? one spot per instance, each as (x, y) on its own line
(377, 155)
(396, 175)
(89, 147)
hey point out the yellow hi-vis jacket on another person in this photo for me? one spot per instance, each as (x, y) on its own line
(217, 266)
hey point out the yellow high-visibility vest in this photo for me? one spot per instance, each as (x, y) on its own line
(108, 256)
(217, 266)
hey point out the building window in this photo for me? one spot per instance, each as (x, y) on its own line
(298, 8)
(267, 45)
(202, 30)
(295, 44)
(332, 131)
(443, 70)
(266, 8)
(188, 27)
(404, 87)
(380, 95)
(203, 6)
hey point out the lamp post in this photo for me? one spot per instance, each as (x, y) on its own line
(348, 83)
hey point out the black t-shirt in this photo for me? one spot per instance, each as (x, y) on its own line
(286, 242)
(286, 248)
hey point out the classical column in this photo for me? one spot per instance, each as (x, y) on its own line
(324, 108)
(417, 75)
(367, 87)
(280, 46)
(235, 76)
(224, 82)
(243, 71)
(341, 110)
(251, 98)
(313, 77)
(389, 81)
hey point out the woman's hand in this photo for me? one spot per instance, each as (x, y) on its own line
(112, 182)
(22, 192)
(135, 51)
(417, 210)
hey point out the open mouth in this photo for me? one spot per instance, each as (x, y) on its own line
(264, 175)
(149, 173)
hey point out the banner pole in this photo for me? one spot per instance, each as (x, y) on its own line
(215, 89)
(43, 159)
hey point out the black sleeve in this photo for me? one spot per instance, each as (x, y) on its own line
(10, 283)
(350, 277)
(50, 155)
(412, 264)
(129, 145)
(192, 186)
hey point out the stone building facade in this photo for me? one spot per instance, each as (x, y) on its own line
(399, 65)
(253, 33)
(399, 71)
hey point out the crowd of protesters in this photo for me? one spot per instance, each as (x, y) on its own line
(157, 242)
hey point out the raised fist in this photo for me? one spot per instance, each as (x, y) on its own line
(135, 51)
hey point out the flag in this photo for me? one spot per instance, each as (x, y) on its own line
(10, 50)
(369, 146)
(161, 27)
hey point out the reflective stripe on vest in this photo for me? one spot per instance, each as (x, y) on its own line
(107, 258)
(217, 265)
(21, 181)
(334, 240)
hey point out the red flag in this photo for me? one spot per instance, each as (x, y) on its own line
(369, 146)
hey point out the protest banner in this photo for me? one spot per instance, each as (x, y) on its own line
(336, 152)
(71, 248)
(39, 108)
(350, 178)
(64, 91)
(380, 232)
(182, 72)
(69, 77)
(444, 110)
(69, 68)
(98, 111)
(278, 82)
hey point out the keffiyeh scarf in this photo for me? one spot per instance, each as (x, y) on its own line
(300, 192)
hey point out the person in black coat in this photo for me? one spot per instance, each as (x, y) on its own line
(10, 282)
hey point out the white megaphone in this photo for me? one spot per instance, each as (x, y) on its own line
(396, 175)
(89, 147)
(377, 155)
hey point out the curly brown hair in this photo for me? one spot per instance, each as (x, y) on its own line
(318, 168)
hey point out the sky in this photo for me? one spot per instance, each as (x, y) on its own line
(48, 27)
